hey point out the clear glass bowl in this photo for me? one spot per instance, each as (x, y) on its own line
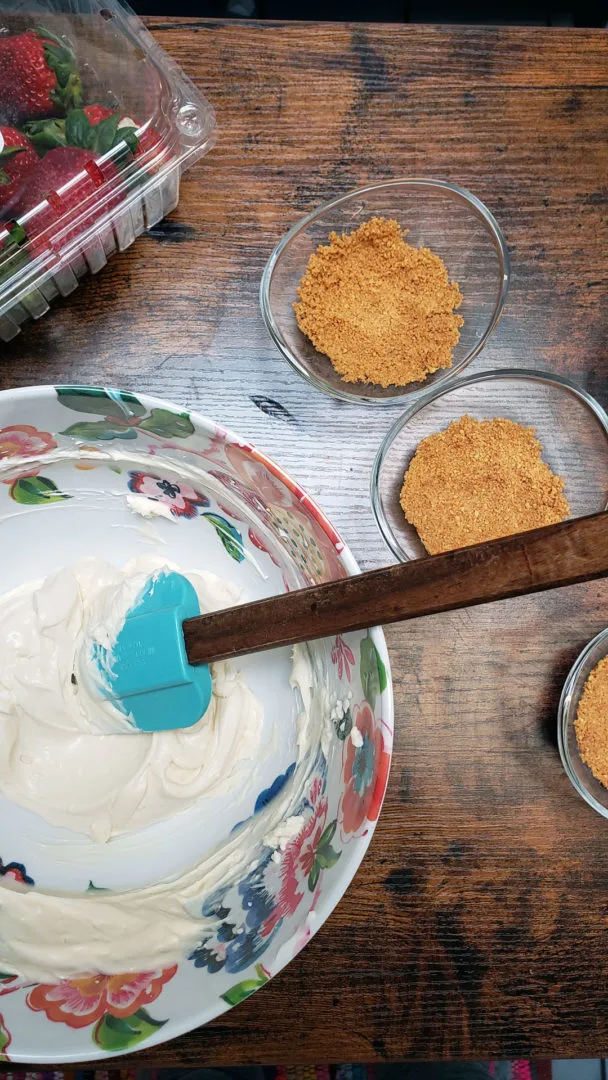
(441, 216)
(581, 776)
(571, 425)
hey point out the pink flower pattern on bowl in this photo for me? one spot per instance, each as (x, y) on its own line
(254, 474)
(342, 656)
(298, 860)
(80, 1002)
(23, 440)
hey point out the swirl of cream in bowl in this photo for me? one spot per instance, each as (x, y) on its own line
(64, 756)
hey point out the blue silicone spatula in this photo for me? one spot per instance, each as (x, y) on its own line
(147, 675)
(159, 663)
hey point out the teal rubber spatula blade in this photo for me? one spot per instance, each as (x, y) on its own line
(147, 674)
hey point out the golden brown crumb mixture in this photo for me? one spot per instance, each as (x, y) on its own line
(591, 724)
(380, 309)
(478, 480)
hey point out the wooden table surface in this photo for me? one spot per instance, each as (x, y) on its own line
(478, 923)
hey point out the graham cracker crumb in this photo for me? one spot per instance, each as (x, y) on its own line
(381, 310)
(591, 724)
(478, 480)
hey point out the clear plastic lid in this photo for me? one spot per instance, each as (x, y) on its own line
(97, 124)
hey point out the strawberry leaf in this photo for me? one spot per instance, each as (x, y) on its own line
(49, 36)
(128, 135)
(63, 72)
(69, 96)
(78, 130)
(9, 152)
(60, 60)
(45, 134)
(12, 257)
(16, 233)
(105, 133)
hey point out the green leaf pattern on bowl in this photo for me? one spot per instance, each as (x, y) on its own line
(113, 1033)
(229, 536)
(373, 671)
(123, 413)
(33, 490)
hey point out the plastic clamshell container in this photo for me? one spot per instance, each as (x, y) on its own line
(121, 179)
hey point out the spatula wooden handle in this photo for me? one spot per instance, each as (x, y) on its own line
(547, 558)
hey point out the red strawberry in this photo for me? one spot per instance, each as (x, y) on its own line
(17, 158)
(95, 113)
(67, 178)
(38, 76)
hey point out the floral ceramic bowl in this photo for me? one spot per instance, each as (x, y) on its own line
(69, 456)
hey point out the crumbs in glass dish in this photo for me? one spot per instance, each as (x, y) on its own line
(383, 311)
(591, 724)
(479, 480)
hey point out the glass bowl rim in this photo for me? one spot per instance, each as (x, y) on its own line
(564, 712)
(445, 185)
(533, 374)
